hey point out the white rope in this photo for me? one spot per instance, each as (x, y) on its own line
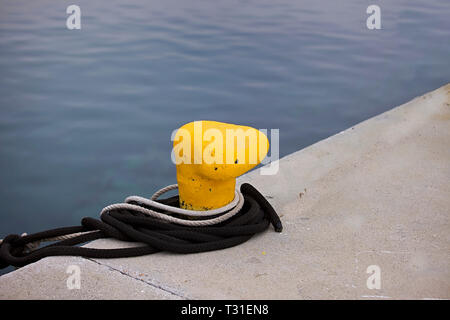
(226, 212)
(231, 209)
(31, 246)
(193, 213)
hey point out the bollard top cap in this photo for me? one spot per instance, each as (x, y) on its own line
(218, 149)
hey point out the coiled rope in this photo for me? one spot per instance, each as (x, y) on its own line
(160, 225)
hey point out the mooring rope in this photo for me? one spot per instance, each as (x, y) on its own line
(159, 224)
(231, 208)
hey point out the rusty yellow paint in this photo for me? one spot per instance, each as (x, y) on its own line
(209, 155)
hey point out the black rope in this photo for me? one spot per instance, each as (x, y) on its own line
(127, 225)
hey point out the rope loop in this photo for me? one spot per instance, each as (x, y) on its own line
(159, 225)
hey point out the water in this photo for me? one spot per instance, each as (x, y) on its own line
(86, 116)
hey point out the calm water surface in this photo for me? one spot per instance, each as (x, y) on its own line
(86, 116)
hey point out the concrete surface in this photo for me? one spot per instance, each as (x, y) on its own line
(375, 194)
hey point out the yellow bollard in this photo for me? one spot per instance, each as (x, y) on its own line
(209, 155)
